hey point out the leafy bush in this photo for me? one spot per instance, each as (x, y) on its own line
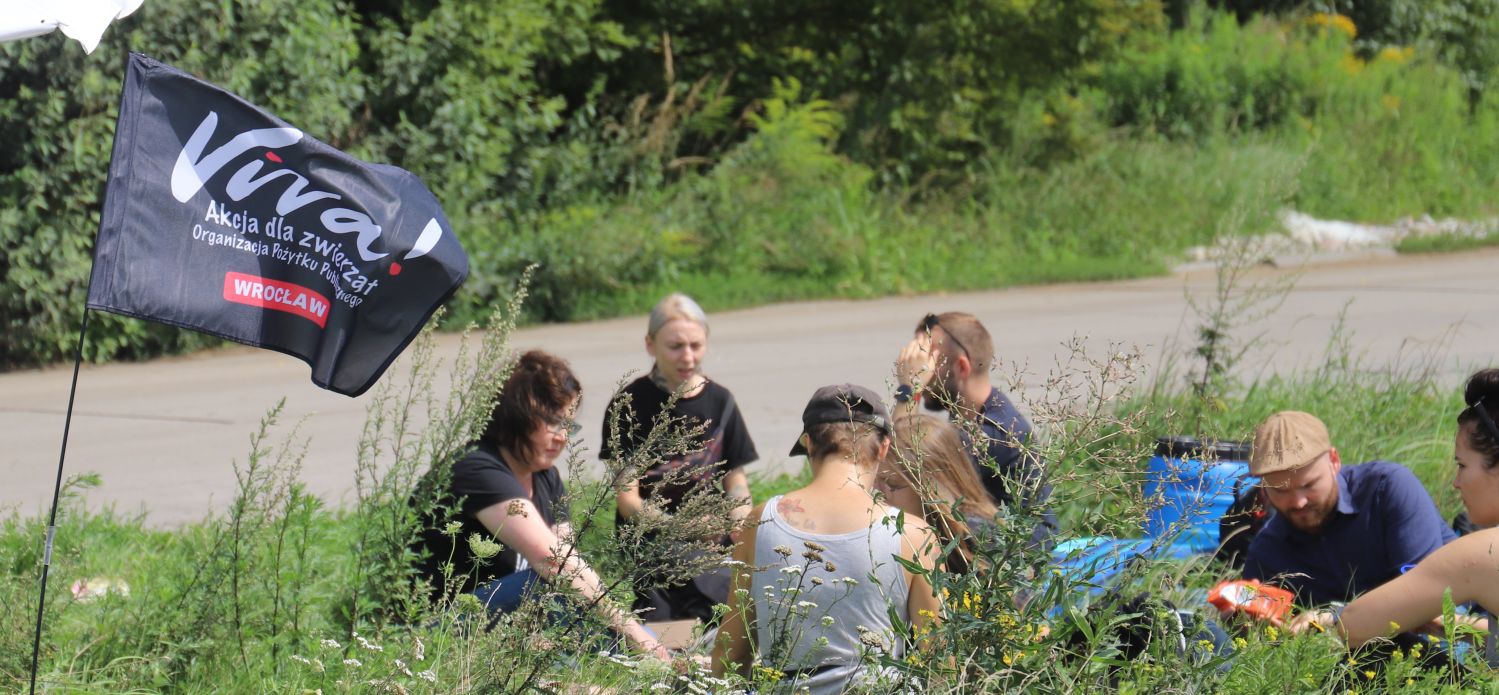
(780, 150)
(449, 91)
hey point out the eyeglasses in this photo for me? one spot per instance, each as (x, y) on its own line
(566, 426)
(931, 321)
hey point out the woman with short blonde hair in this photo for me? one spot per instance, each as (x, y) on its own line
(676, 393)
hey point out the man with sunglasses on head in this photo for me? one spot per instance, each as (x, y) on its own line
(946, 367)
(1337, 531)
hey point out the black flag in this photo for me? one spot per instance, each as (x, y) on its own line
(222, 218)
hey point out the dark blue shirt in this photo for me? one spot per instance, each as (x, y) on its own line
(1003, 464)
(1384, 520)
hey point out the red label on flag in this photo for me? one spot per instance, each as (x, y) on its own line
(275, 294)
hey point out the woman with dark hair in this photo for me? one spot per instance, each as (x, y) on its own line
(931, 477)
(677, 341)
(824, 576)
(506, 487)
(1468, 566)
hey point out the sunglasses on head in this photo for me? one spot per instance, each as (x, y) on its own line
(1483, 416)
(931, 321)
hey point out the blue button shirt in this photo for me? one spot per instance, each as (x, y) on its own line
(1384, 519)
(1002, 462)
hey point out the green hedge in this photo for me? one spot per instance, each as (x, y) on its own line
(777, 150)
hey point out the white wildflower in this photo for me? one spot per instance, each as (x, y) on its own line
(331, 644)
(483, 548)
(791, 569)
(352, 662)
(427, 675)
(870, 638)
(622, 661)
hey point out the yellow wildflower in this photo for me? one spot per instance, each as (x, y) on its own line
(1396, 55)
(1337, 22)
(767, 673)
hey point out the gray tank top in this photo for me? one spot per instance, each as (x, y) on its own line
(815, 616)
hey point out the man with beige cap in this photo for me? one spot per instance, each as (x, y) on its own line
(1337, 531)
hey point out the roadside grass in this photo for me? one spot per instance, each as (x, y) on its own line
(114, 643)
(1446, 243)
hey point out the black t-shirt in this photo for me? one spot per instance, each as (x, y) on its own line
(480, 479)
(723, 445)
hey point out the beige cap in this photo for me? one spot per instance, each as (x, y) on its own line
(1286, 441)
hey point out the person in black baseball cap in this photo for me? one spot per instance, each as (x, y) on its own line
(844, 403)
(824, 570)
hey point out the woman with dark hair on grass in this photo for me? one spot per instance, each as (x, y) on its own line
(507, 488)
(1468, 566)
(932, 477)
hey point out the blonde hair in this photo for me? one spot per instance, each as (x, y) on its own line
(931, 458)
(673, 307)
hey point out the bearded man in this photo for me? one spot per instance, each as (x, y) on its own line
(1336, 531)
(945, 367)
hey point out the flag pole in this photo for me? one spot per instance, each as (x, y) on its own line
(41, 604)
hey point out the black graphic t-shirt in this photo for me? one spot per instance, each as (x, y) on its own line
(481, 479)
(723, 445)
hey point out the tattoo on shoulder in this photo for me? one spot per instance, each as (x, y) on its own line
(516, 508)
(791, 510)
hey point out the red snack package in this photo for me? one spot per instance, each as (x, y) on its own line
(1251, 598)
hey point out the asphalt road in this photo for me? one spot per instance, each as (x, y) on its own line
(164, 435)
